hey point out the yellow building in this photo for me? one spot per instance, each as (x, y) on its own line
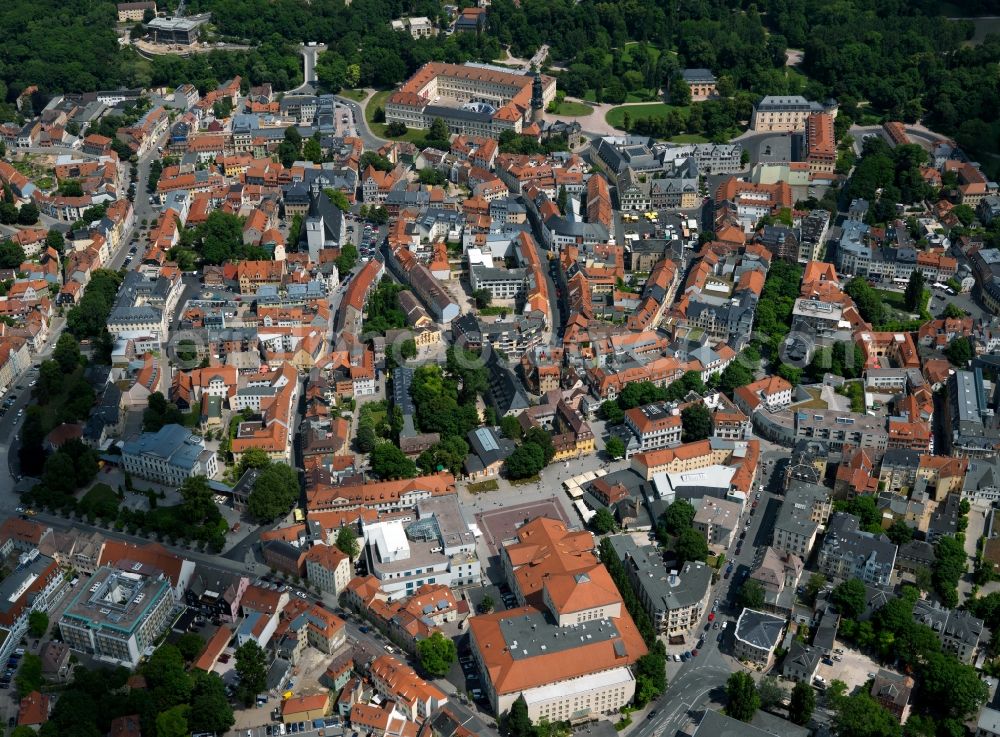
(305, 708)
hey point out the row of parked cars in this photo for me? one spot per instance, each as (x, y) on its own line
(12, 664)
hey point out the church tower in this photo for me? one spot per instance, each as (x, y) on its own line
(537, 104)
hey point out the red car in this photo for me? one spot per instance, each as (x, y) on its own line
(711, 616)
(694, 653)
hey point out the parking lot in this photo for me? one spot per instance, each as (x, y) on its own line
(854, 668)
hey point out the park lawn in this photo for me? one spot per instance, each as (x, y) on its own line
(102, 500)
(414, 136)
(689, 138)
(616, 115)
(654, 52)
(640, 95)
(377, 100)
(574, 109)
(793, 73)
(481, 486)
(356, 95)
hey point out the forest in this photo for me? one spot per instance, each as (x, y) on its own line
(879, 58)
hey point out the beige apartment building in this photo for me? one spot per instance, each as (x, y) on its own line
(717, 520)
(786, 113)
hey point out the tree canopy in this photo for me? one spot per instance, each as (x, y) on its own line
(274, 492)
(251, 666)
(436, 653)
(742, 697)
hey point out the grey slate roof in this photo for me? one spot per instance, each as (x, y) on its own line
(760, 629)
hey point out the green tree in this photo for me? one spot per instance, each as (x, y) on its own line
(960, 351)
(173, 722)
(751, 594)
(198, 501)
(735, 375)
(950, 563)
(611, 413)
(347, 259)
(954, 687)
(67, 353)
(190, 645)
(526, 461)
(483, 297)
(28, 214)
(347, 542)
(650, 676)
(274, 492)
(60, 473)
(510, 427)
(252, 458)
(849, 598)
(436, 654)
(54, 239)
(615, 447)
(438, 130)
(913, 296)
(899, 532)
(953, 311)
(690, 545)
(802, 703)
(11, 255)
(742, 697)
(602, 522)
(251, 667)
(312, 151)
(861, 716)
(29, 675)
(696, 423)
(167, 678)
(543, 440)
(678, 517)
(770, 692)
(210, 709)
(389, 462)
(814, 585)
(515, 722)
(38, 623)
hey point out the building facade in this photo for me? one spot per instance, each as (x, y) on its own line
(119, 616)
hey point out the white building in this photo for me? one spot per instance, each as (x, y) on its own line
(436, 548)
(30, 587)
(120, 615)
(169, 456)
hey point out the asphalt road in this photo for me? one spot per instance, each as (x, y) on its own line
(309, 56)
(370, 140)
(702, 679)
(143, 210)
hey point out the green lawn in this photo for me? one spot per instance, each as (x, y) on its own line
(641, 95)
(356, 95)
(616, 115)
(101, 500)
(689, 138)
(654, 53)
(378, 100)
(573, 109)
(480, 487)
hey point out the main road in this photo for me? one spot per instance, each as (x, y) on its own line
(701, 681)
